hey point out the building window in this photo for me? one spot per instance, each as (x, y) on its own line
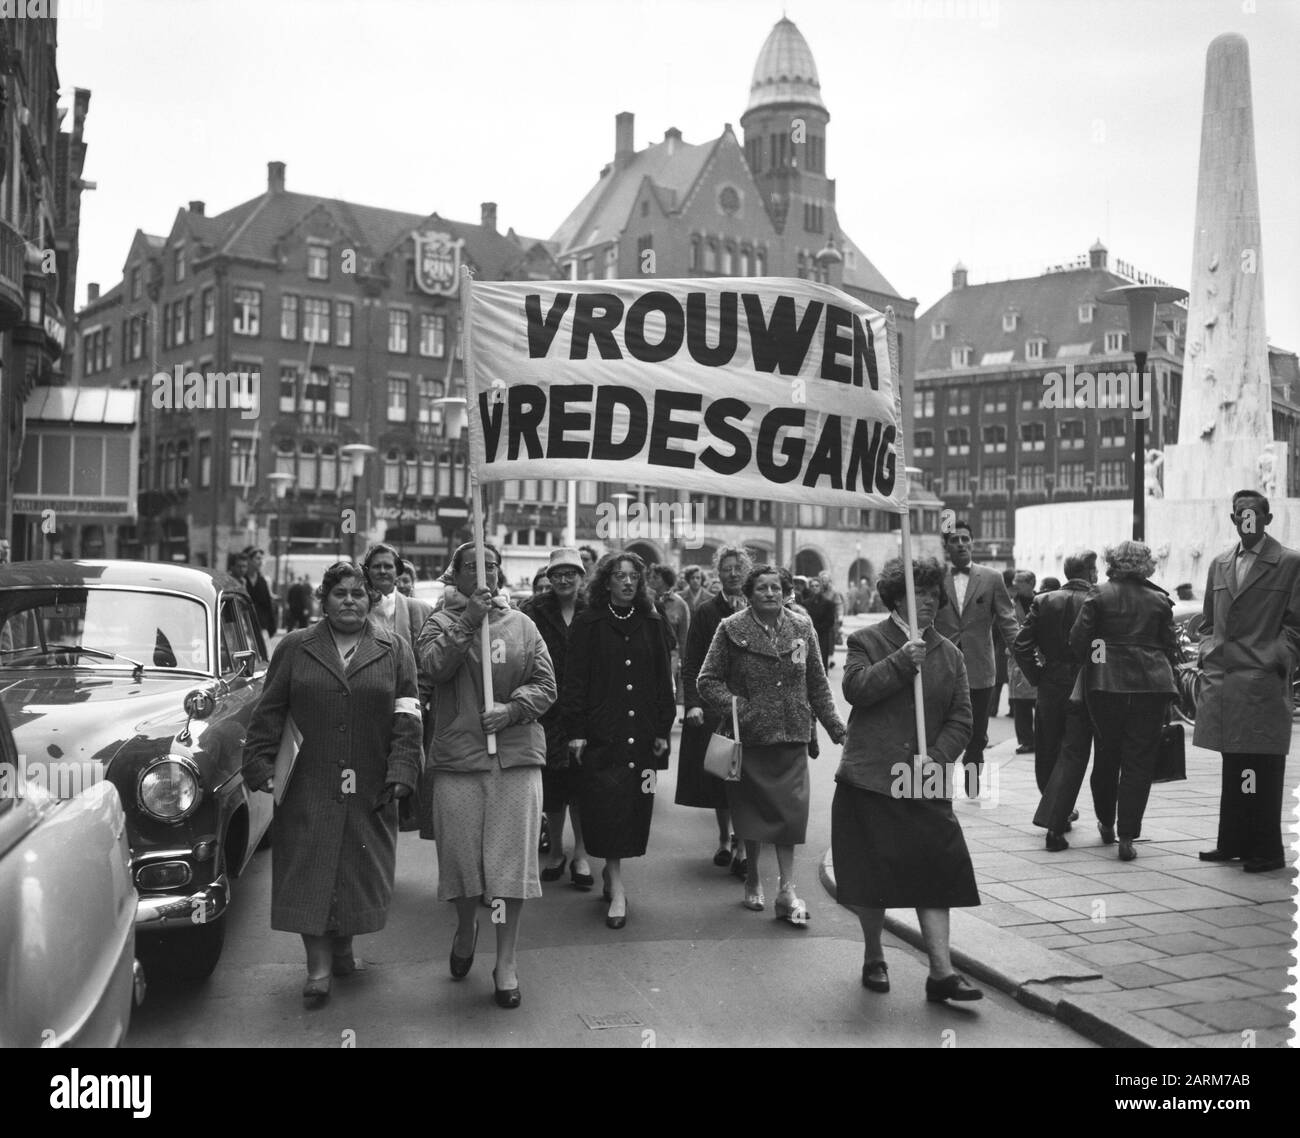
(994, 479)
(343, 394)
(938, 330)
(1072, 475)
(178, 263)
(958, 401)
(711, 257)
(316, 392)
(329, 468)
(1116, 342)
(1010, 320)
(137, 337)
(1034, 349)
(178, 323)
(1085, 313)
(1033, 436)
(923, 446)
(1113, 433)
(316, 321)
(760, 263)
(995, 401)
(288, 389)
(288, 317)
(343, 324)
(1113, 474)
(307, 466)
(209, 307)
(205, 461)
(243, 462)
(958, 439)
(956, 480)
(728, 259)
(1031, 478)
(286, 458)
(433, 335)
(923, 404)
(995, 440)
(248, 312)
(611, 262)
(399, 324)
(137, 286)
(1072, 434)
(961, 357)
(392, 470)
(430, 389)
(428, 475)
(993, 525)
(318, 262)
(746, 261)
(397, 391)
(696, 263)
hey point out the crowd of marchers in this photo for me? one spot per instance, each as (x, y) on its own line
(398, 730)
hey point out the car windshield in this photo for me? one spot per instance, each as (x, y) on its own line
(101, 628)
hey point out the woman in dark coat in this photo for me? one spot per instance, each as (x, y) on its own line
(618, 709)
(895, 840)
(1125, 633)
(554, 612)
(694, 786)
(352, 693)
(821, 609)
(767, 658)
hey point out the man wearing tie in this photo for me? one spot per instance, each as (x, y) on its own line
(1250, 645)
(976, 599)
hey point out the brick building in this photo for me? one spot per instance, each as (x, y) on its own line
(348, 318)
(40, 205)
(758, 206)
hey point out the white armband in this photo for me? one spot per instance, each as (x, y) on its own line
(407, 705)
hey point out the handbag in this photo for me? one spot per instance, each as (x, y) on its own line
(722, 757)
(286, 758)
(1171, 758)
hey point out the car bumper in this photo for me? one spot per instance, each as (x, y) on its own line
(171, 910)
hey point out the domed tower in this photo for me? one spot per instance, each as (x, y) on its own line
(785, 135)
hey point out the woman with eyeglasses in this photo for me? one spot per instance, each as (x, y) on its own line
(618, 711)
(351, 691)
(486, 807)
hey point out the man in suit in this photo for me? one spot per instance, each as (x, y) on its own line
(1250, 645)
(977, 599)
(394, 613)
(259, 590)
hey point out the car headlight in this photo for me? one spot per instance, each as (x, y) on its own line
(169, 789)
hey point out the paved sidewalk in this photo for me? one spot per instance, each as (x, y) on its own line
(1163, 951)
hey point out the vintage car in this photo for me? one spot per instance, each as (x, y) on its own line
(146, 674)
(68, 973)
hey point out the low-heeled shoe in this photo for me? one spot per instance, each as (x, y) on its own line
(1126, 850)
(875, 976)
(554, 872)
(1215, 855)
(617, 922)
(954, 987)
(316, 991)
(1263, 864)
(1107, 834)
(460, 965)
(348, 965)
(583, 881)
(505, 997)
(1056, 842)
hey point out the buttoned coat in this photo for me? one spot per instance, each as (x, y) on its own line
(544, 611)
(970, 627)
(1250, 643)
(778, 679)
(409, 615)
(879, 685)
(618, 688)
(332, 850)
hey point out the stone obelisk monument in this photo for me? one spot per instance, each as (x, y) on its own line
(1225, 422)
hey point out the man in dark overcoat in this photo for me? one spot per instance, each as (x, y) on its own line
(977, 599)
(1250, 646)
(259, 589)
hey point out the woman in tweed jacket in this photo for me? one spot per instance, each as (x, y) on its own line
(352, 693)
(770, 660)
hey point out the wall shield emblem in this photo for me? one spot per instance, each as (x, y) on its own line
(437, 263)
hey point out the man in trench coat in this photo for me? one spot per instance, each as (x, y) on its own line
(1250, 645)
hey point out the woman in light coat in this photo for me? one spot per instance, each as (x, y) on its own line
(770, 661)
(486, 808)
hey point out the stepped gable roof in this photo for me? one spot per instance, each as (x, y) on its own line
(672, 166)
(1048, 307)
(785, 71)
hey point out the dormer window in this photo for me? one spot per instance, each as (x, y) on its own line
(938, 330)
(1085, 313)
(178, 263)
(1010, 320)
(318, 262)
(1034, 349)
(1115, 342)
(961, 357)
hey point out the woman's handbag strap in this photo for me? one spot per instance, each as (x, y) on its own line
(735, 721)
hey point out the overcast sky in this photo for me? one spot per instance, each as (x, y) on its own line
(1009, 134)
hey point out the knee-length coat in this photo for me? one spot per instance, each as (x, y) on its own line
(333, 859)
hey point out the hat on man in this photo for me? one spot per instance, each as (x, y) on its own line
(565, 559)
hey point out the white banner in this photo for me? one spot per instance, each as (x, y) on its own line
(747, 387)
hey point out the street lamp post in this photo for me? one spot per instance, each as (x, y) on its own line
(1141, 301)
(357, 453)
(280, 483)
(454, 424)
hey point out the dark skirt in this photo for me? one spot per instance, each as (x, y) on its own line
(899, 853)
(695, 786)
(616, 807)
(559, 788)
(770, 802)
